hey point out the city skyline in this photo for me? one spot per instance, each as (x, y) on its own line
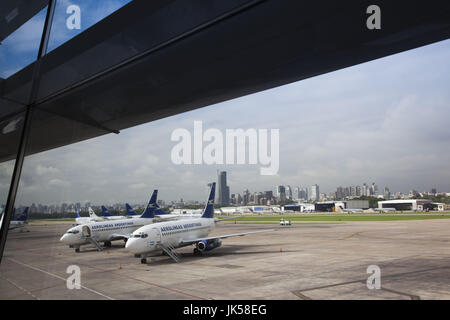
(274, 195)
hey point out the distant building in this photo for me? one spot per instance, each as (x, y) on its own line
(296, 195)
(386, 193)
(413, 194)
(408, 205)
(224, 190)
(281, 193)
(289, 192)
(315, 194)
(358, 191)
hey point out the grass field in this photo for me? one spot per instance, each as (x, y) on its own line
(341, 218)
(314, 218)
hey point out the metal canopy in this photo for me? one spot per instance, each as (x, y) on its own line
(153, 59)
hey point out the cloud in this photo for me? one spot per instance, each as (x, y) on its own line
(42, 170)
(383, 122)
(59, 183)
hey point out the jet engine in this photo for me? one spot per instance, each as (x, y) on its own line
(206, 245)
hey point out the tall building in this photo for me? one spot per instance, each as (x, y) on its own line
(246, 197)
(289, 192)
(358, 191)
(314, 196)
(364, 190)
(281, 193)
(296, 195)
(304, 194)
(387, 193)
(224, 190)
(352, 191)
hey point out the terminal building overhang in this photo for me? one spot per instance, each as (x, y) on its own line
(154, 59)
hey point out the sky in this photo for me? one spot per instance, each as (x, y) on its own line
(21, 48)
(385, 121)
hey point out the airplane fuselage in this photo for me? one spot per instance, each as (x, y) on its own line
(103, 231)
(171, 233)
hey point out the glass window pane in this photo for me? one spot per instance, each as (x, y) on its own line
(18, 52)
(10, 132)
(21, 47)
(75, 16)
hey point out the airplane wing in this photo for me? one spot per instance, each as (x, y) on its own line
(118, 236)
(224, 219)
(189, 241)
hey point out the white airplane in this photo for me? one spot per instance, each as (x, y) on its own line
(20, 222)
(159, 213)
(166, 236)
(79, 219)
(384, 210)
(93, 216)
(107, 231)
(109, 216)
(342, 210)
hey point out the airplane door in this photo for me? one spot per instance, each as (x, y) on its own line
(86, 231)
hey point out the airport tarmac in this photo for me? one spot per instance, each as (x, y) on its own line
(311, 261)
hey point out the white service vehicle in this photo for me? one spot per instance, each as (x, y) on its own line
(284, 222)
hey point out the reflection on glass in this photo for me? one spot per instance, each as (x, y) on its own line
(344, 127)
(6, 171)
(73, 17)
(21, 47)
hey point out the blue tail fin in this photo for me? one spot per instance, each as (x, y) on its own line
(150, 210)
(158, 210)
(130, 210)
(77, 213)
(24, 215)
(105, 212)
(208, 212)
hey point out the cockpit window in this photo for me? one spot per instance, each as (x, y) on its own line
(140, 235)
(73, 231)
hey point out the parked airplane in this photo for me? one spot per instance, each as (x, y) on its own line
(109, 216)
(79, 219)
(131, 212)
(340, 209)
(107, 231)
(93, 216)
(384, 210)
(20, 222)
(159, 213)
(166, 236)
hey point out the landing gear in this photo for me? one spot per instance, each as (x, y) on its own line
(107, 244)
(125, 240)
(197, 252)
(77, 250)
(144, 260)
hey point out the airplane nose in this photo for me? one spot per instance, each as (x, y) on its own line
(128, 243)
(131, 245)
(64, 238)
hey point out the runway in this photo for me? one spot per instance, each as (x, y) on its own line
(298, 262)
